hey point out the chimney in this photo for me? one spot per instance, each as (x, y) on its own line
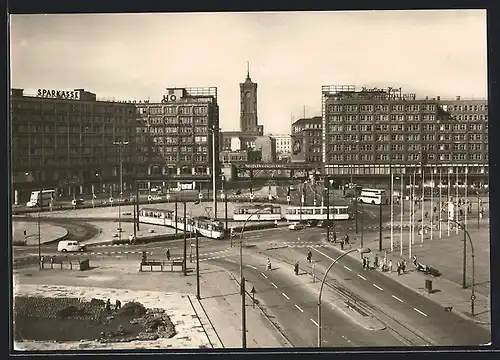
(438, 98)
(458, 97)
(426, 98)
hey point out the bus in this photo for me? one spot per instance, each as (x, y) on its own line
(262, 213)
(44, 200)
(373, 196)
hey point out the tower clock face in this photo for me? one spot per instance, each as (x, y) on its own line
(248, 94)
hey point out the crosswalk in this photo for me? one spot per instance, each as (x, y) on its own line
(302, 244)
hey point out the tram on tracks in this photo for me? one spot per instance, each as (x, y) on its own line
(297, 213)
(270, 212)
(205, 226)
(262, 212)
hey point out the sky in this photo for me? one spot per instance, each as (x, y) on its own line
(291, 55)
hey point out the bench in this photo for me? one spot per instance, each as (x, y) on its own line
(150, 265)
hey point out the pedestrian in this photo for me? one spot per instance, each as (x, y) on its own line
(461, 212)
(118, 304)
(346, 239)
(276, 223)
(399, 268)
(390, 266)
(367, 264)
(268, 264)
(107, 307)
(296, 268)
(342, 244)
(309, 256)
(375, 262)
(403, 266)
(364, 263)
(435, 209)
(168, 254)
(426, 215)
(334, 237)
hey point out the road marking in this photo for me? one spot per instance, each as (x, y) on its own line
(297, 306)
(347, 268)
(264, 275)
(253, 267)
(314, 322)
(361, 277)
(378, 287)
(420, 311)
(285, 296)
(323, 254)
(398, 299)
(274, 285)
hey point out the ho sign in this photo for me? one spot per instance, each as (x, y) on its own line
(169, 98)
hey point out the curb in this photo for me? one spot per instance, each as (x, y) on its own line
(257, 305)
(212, 335)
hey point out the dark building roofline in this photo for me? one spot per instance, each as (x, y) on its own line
(308, 120)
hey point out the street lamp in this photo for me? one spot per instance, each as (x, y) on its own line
(120, 144)
(361, 251)
(214, 132)
(197, 202)
(242, 280)
(467, 235)
(40, 204)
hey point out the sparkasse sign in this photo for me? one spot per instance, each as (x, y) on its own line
(58, 94)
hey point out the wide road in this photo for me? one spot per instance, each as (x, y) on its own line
(378, 290)
(293, 308)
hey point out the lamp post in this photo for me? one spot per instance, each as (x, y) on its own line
(120, 144)
(197, 202)
(40, 204)
(473, 285)
(361, 251)
(242, 281)
(213, 129)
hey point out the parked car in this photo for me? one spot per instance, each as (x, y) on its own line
(76, 202)
(296, 226)
(70, 246)
(312, 223)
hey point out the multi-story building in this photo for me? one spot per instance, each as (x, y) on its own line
(240, 157)
(174, 138)
(64, 140)
(306, 140)
(379, 131)
(283, 144)
(267, 147)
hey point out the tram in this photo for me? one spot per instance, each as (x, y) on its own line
(262, 212)
(204, 225)
(297, 213)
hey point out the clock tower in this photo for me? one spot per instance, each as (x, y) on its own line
(248, 105)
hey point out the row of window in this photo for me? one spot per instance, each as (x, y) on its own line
(64, 129)
(411, 127)
(406, 137)
(381, 108)
(408, 147)
(16, 118)
(175, 120)
(404, 108)
(172, 110)
(408, 157)
(398, 118)
(179, 158)
(74, 107)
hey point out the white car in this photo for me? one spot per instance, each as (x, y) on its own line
(70, 246)
(296, 226)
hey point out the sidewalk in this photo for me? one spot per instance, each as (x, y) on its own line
(221, 300)
(445, 254)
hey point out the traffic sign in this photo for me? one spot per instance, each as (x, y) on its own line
(288, 198)
(253, 291)
(110, 199)
(473, 297)
(251, 196)
(222, 196)
(200, 196)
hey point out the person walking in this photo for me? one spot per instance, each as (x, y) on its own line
(268, 264)
(364, 263)
(296, 268)
(168, 254)
(399, 268)
(390, 266)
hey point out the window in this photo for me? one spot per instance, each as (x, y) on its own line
(366, 147)
(382, 147)
(428, 137)
(397, 137)
(413, 137)
(383, 127)
(397, 147)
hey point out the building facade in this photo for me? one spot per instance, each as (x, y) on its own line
(379, 131)
(306, 140)
(174, 139)
(283, 144)
(267, 147)
(65, 140)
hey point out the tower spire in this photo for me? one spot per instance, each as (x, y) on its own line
(248, 70)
